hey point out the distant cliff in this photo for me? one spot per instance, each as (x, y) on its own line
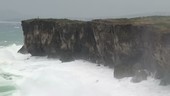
(134, 47)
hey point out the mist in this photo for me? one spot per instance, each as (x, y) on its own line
(83, 8)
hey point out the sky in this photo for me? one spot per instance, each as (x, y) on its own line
(83, 8)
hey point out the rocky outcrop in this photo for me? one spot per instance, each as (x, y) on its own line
(131, 46)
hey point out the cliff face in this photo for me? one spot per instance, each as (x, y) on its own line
(133, 47)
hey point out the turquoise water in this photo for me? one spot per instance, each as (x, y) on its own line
(10, 33)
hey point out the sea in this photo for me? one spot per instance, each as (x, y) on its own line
(26, 75)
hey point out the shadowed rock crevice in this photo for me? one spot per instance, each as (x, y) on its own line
(135, 47)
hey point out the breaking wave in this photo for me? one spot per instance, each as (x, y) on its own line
(25, 75)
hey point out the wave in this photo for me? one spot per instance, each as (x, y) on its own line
(40, 76)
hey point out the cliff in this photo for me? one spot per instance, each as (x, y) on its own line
(134, 47)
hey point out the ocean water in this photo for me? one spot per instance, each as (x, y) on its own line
(10, 33)
(26, 75)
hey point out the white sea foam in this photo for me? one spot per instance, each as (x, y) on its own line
(39, 76)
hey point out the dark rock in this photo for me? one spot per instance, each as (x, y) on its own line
(121, 71)
(119, 43)
(23, 50)
(140, 75)
(166, 78)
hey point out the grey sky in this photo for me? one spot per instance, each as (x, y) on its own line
(85, 8)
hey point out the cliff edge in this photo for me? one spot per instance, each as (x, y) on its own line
(135, 47)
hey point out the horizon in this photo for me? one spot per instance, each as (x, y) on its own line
(82, 9)
(131, 16)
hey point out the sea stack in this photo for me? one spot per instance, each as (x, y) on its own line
(134, 47)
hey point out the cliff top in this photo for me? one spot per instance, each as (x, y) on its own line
(160, 22)
(135, 21)
(52, 20)
(138, 20)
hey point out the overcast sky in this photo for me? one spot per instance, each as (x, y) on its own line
(84, 8)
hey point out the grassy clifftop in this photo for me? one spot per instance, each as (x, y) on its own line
(161, 23)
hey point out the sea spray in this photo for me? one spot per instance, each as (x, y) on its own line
(40, 76)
